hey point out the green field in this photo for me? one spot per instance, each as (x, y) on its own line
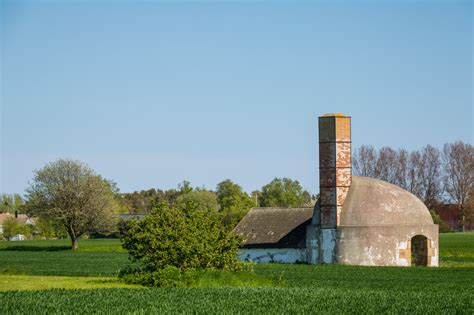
(44, 277)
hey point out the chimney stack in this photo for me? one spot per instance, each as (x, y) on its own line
(335, 169)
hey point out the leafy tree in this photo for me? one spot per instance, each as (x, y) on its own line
(203, 199)
(145, 200)
(11, 227)
(185, 187)
(18, 201)
(11, 203)
(25, 229)
(184, 237)
(233, 202)
(72, 194)
(443, 227)
(49, 228)
(283, 193)
(7, 203)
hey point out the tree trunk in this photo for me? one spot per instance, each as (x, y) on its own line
(72, 235)
(74, 243)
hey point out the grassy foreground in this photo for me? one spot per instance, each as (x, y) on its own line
(82, 282)
(27, 282)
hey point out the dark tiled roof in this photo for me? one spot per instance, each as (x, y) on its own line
(275, 227)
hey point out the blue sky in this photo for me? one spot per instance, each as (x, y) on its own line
(151, 93)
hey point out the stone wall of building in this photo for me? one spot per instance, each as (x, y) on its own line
(384, 245)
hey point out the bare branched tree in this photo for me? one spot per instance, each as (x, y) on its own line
(414, 178)
(458, 176)
(430, 175)
(386, 164)
(365, 161)
(422, 172)
(402, 169)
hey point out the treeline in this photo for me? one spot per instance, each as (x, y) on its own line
(228, 198)
(11, 203)
(434, 175)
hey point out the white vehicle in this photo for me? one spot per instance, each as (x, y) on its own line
(18, 237)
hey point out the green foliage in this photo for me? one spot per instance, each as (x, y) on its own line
(71, 194)
(233, 202)
(11, 227)
(284, 193)
(182, 237)
(11, 203)
(144, 201)
(203, 199)
(443, 227)
(49, 228)
(168, 277)
(185, 187)
(26, 230)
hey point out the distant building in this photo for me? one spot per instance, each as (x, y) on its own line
(21, 218)
(451, 215)
(356, 221)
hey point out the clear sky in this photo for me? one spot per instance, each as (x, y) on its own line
(150, 93)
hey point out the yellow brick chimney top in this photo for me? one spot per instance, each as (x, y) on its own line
(335, 115)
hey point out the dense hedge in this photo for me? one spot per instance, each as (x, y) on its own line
(171, 241)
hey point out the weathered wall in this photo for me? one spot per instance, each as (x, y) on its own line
(335, 167)
(383, 245)
(281, 255)
(335, 171)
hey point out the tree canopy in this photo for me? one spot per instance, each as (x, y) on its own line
(11, 203)
(233, 202)
(204, 199)
(186, 236)
(72, 194)
(284, 192)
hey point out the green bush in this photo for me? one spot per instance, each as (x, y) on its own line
(169, 277)
(11, 227)
(168, 242)
(443, 227)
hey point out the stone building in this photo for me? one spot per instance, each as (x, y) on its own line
(356, 221)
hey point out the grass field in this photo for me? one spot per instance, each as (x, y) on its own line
(43, 277)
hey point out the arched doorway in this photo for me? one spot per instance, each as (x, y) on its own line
(419, 250)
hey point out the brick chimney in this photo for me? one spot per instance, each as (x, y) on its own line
(335, 169)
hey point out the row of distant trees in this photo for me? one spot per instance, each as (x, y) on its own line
(228, 198)
(11, 203)
(68, 197)
(434, 175)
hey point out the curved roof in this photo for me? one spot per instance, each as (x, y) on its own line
(375, 202)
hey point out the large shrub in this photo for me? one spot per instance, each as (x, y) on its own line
(184, 237)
